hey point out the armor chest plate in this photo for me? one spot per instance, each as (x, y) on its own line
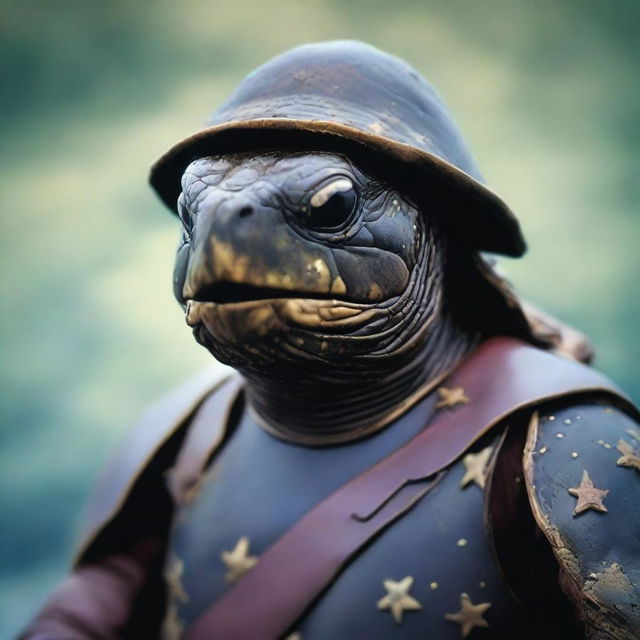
(402, 585)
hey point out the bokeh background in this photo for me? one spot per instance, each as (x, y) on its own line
(547, 93)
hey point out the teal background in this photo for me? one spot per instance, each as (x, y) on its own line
(92, 92)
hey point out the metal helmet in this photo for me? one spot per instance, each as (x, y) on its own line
(350, 97)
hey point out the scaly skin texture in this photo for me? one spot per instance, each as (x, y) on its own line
(334, 321)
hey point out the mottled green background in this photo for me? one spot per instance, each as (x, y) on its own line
(547, 92)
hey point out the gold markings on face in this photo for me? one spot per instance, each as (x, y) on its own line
(300, 313)
(338, 286)
(192, 313)
(260, 319)
(274, 280)
(229, 323)
(307, 313)
(228, 264)
(321, 197)
(337, 313)
(318, 274)
(375, 292)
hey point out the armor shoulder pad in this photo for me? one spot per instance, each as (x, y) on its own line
(159, 425)
(582, 469)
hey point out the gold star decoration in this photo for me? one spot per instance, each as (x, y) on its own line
(172, 626)
(588, 496)
(173, 576)
(451, 398)
(476, 465)
(630, 456)
(398, 598)
(470, 615)
(238, 560)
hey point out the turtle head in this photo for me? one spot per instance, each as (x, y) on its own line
(302, 256)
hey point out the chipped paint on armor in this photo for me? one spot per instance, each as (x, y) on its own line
(597, 553)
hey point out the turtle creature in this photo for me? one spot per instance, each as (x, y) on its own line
(408, 451)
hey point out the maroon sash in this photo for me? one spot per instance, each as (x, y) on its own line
(502, 376)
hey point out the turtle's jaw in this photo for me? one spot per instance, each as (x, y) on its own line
(227, 292)
(260, 317)
(240, 300)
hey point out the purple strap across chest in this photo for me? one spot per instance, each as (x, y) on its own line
(500, 377)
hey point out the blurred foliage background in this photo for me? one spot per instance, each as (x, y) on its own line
(546, 92)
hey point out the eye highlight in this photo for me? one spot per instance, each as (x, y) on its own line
(332, 204)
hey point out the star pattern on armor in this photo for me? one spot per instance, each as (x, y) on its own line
(588, 496)
(238, 561)
(173, 576)
(476, 466)
(398, 599)
(630, 456)
(451, 398)
(172, 626)
(470, 615)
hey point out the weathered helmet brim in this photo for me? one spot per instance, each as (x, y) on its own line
(474, 213)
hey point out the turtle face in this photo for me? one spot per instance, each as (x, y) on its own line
(298, 255)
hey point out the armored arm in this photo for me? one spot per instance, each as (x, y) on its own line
(115, 585)
(116, 589)
(582, 470)
(97, 600)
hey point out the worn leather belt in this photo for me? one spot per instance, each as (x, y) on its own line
(503, 375)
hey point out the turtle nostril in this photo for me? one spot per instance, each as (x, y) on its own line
(245, 211)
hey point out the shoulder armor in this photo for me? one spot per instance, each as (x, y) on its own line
(155, 431)
(582, 470)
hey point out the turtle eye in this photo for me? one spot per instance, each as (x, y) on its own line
(332, 204)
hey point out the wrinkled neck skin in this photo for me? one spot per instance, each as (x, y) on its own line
(320, 410)
(406, 348)
(319, 369)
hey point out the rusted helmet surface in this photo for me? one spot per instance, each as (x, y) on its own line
(351, 98)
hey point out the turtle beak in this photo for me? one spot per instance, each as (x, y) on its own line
(243, 250)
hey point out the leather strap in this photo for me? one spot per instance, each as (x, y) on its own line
(500, 377)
